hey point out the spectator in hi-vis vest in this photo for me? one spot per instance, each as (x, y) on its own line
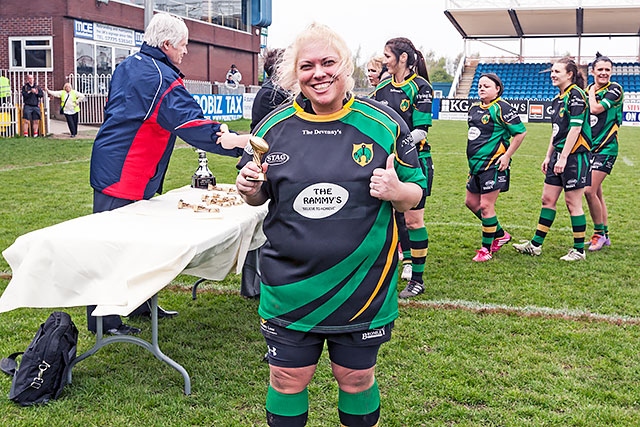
(5, 90)
(69, 105)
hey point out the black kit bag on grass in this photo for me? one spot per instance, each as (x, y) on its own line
(42, 372)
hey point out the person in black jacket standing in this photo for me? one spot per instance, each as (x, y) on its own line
(32, 95)
(270, 95)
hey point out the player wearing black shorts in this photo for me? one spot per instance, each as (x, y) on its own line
(566, 165)
(410, 94)
(605, 103)
(336, 168)
(492, 122)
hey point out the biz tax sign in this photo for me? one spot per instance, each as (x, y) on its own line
(220, 107)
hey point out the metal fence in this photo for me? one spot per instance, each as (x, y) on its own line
(10, 121)
(94, 87)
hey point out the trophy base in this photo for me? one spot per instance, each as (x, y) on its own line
(260, 178)
(203, 182)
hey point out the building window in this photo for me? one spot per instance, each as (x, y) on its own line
(95, 64)
(30, 53)
(103, 62)
(228, 13)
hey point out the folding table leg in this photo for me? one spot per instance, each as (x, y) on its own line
(152, 346)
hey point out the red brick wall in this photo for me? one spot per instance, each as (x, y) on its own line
(18, 27)
(211, 48)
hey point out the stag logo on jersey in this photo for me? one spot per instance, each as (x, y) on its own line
(276, 158)
(485, 119)
(320, 200)
(362, 153)
(404, 105)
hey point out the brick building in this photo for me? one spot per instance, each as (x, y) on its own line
(55, 38)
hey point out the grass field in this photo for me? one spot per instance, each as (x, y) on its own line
(517, 341)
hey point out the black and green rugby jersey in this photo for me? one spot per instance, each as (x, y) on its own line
(412, 99)
(571, 109)
(604, 126)
(329, 264)
(490, 129)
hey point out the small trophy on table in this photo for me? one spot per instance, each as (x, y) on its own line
(203, 178)
(259, 146)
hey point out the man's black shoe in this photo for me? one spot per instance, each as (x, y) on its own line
(145, 311)
(165, 313)
(123, 329)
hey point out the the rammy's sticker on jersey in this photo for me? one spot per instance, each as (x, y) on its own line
(362, 153)
(404, 105)
(593, 120)
(473, 133)
(320, 200)
(555, 129)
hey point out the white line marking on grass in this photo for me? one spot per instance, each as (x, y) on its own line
(627, 161)
(528, 311)
(44, 165)
(478, 224)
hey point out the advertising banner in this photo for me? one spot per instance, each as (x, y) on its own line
(220, 107)
(631, 114)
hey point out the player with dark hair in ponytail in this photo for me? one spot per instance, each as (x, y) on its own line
(566, 165)
(410, 94)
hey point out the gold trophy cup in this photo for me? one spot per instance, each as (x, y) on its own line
(259, 147)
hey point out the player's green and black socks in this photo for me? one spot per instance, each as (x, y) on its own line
(287, 410)
(579, 227)
(359, 409)
(547, 216)
(419, 247)
(489, 228)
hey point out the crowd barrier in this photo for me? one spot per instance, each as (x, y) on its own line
(530, 110)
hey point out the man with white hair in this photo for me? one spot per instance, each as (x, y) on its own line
(148, 107)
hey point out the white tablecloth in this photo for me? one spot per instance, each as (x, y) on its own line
(118, 259)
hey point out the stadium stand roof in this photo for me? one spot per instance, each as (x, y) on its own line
(548, 21)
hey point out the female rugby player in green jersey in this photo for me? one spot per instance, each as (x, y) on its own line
(605, 103)
(336, 168)
(410, 94)
(566, 165)
(376, 71)
(492, 122)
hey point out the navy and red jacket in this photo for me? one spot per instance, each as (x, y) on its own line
(148, 107)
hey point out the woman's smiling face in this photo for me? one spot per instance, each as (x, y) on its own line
(318, 69)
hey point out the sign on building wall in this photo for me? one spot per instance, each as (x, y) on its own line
(107, 33)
